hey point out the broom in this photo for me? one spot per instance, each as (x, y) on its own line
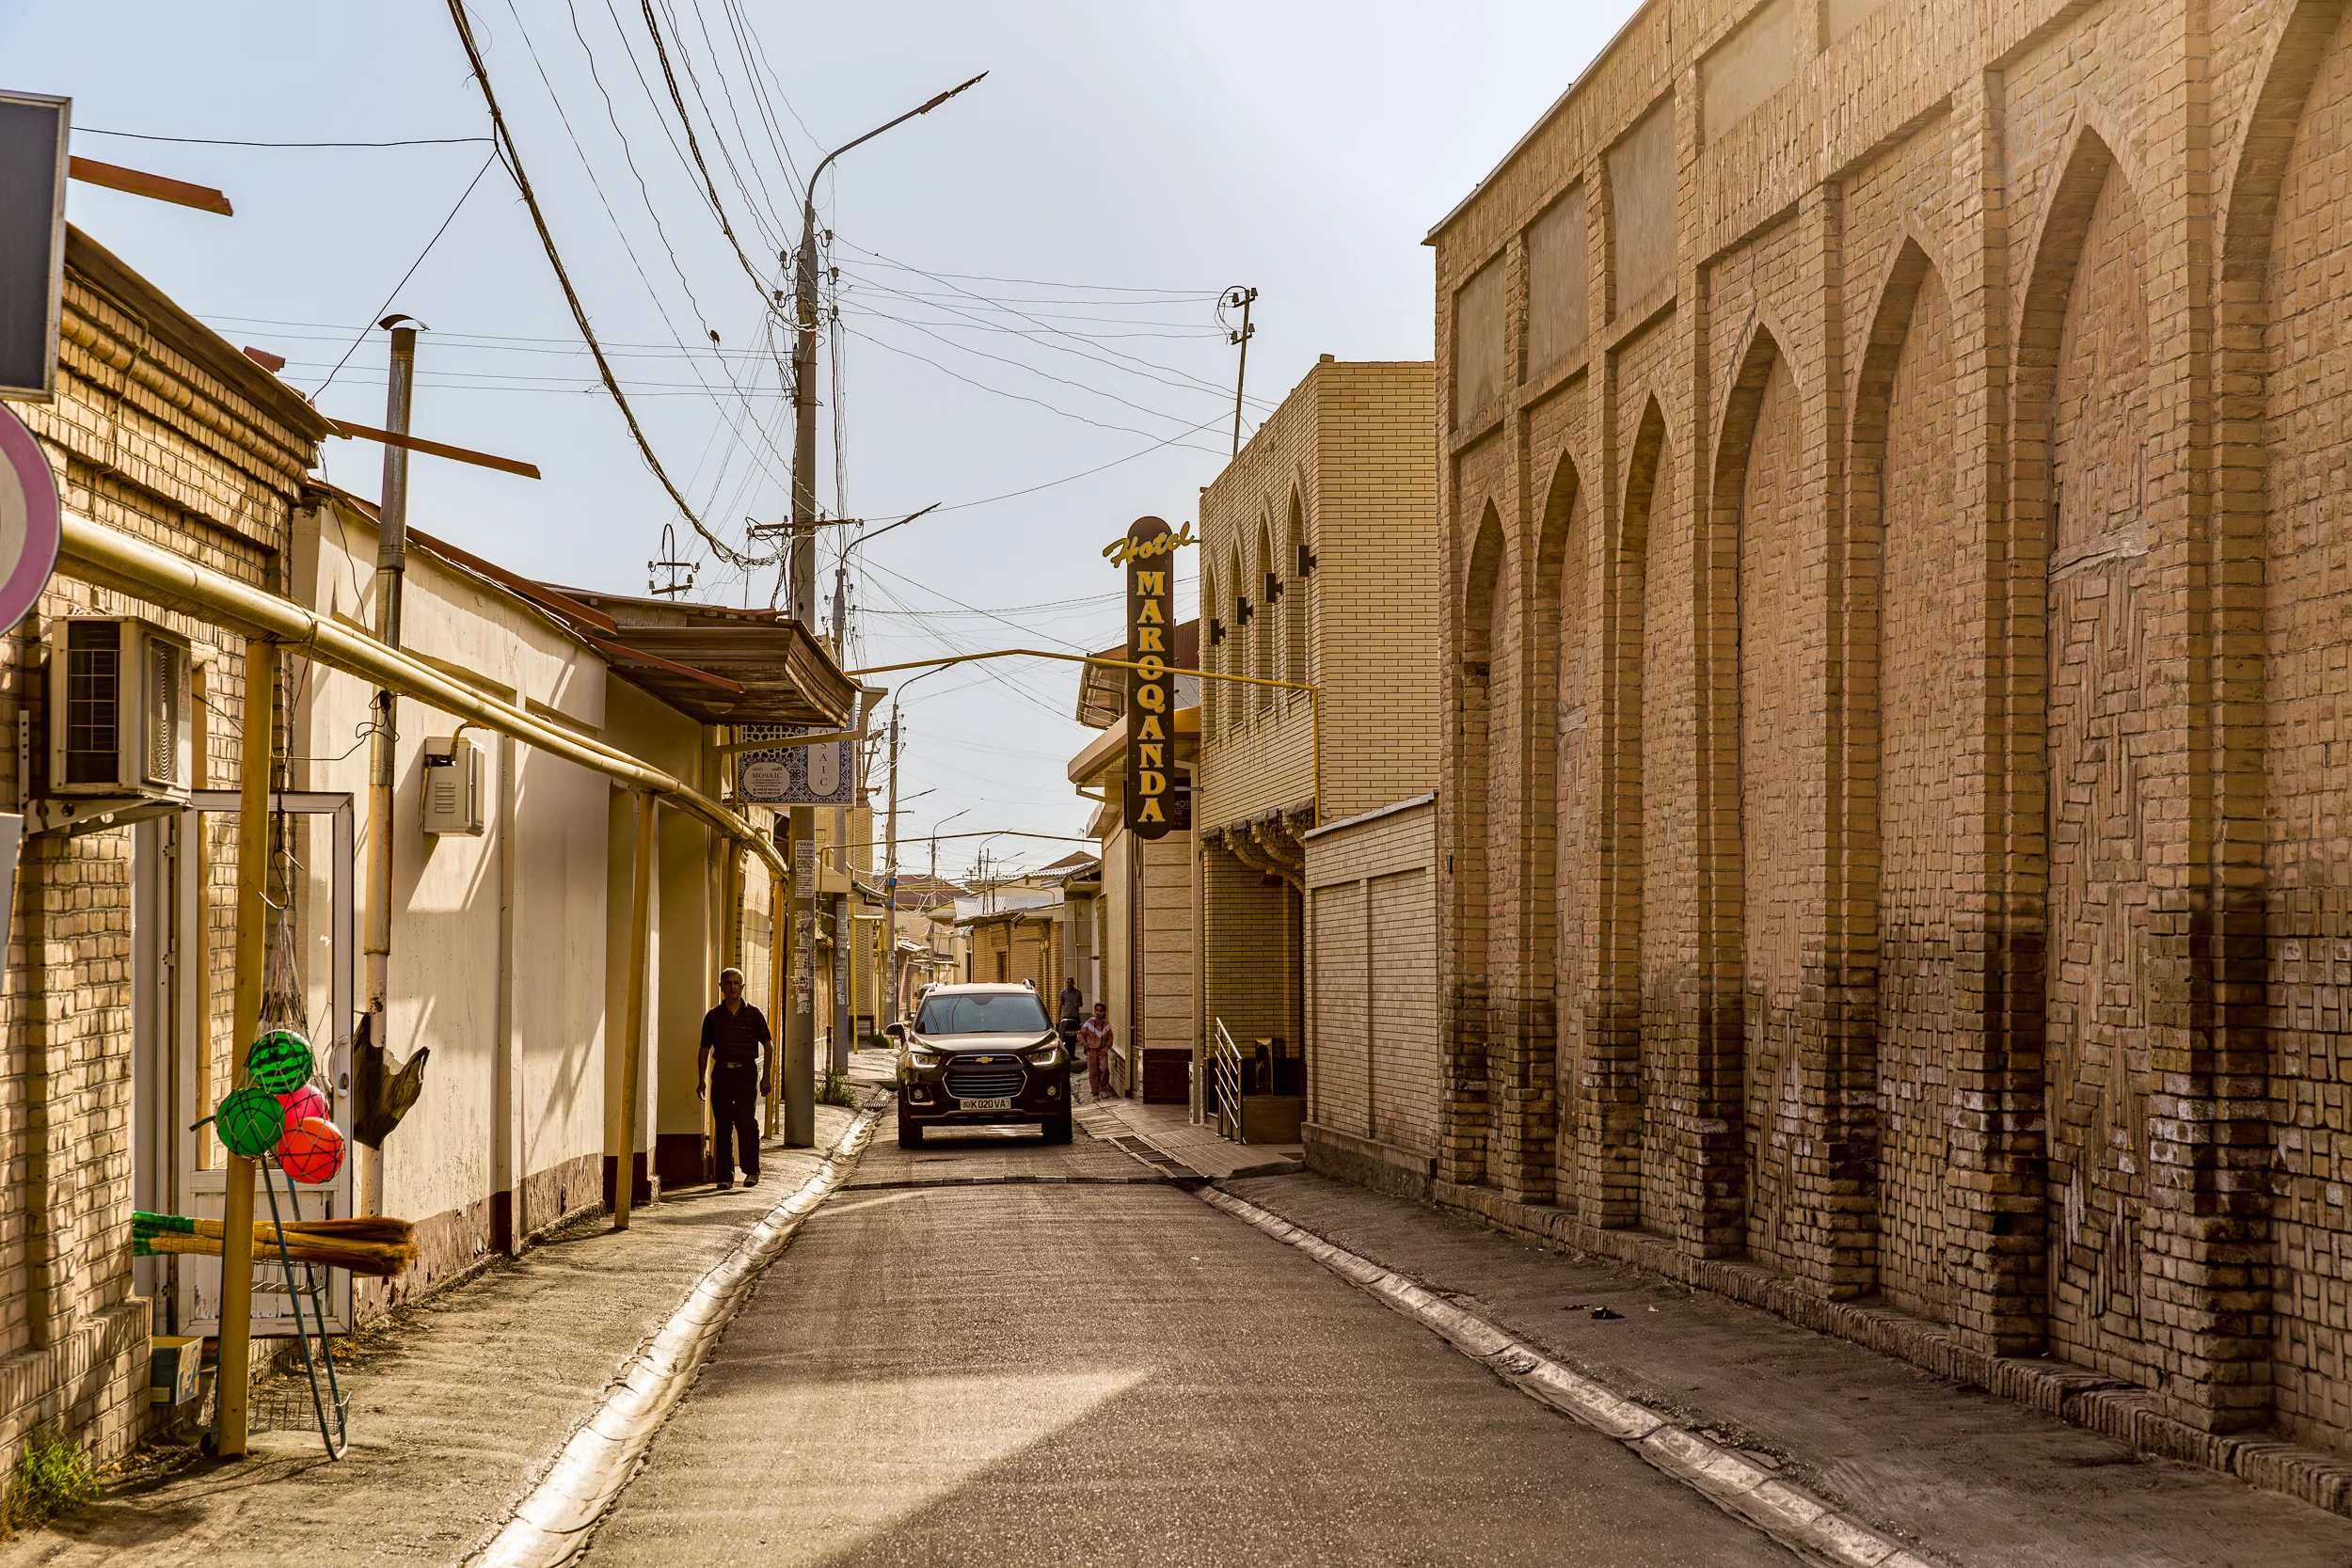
(379, 1247)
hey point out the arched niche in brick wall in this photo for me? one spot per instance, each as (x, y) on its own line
(1476, 821)
(2084, 427)
(2272, 1038)
(1631, 1177)
(1563, 656)
(1904, 813)
(1755, 641)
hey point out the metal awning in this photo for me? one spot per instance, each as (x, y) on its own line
(719, 665)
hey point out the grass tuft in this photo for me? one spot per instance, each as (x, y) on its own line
(51, 1477)
(836, 1091)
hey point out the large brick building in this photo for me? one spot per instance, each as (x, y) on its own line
(1894, 656)
(1319, 566)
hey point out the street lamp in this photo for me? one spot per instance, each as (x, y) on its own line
(800, 1044)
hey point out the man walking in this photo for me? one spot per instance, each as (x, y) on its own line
(735, 1053)
(1095, 1036)
(1074, 1007)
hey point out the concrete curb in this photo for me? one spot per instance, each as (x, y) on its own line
(1726, 1477)
(557, 1517)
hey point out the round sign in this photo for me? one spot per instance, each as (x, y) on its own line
(30, 524)
(763, 780)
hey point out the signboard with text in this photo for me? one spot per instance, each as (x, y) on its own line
(1151, 689)
(823, 775)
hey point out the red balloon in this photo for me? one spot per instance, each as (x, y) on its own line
(312, 1151)
(304, 1104)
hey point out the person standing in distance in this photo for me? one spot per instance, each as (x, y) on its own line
(1095, 1035)
(1074, 1010)
(734, 1052)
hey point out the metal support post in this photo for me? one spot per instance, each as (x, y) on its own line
(236, 1248)
(634, 1030)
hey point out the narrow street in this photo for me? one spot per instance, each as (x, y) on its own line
(1092, 1371)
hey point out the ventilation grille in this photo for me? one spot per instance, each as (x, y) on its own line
(93, 702)
(166, 692)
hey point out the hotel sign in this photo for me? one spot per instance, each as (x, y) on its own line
(1150, 798)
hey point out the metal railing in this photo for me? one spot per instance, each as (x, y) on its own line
(1228, 1077)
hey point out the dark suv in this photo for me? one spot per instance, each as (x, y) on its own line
(981, 1056)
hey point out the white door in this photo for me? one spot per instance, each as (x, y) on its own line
(315, 864)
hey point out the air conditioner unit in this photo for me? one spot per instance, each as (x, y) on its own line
(119, 722)
(453, 786)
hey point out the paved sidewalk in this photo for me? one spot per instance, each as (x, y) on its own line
(1960, 1477)
(1172, 1130)
(456, 1405)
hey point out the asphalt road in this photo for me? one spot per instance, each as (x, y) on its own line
(1017, 1373)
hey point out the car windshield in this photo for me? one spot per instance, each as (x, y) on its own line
(1011, 1012)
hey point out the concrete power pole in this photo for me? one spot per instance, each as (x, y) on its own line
(890, 880)
(799, 1040)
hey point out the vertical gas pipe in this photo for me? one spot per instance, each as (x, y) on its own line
(391, 562)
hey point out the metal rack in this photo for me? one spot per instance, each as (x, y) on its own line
(303, 1282)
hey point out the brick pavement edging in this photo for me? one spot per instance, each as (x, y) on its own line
(2103, 1404)
(1788, 1514)
(557, 1518)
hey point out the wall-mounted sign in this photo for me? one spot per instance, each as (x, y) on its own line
(30, 526)
(823, 775)
(33, 135)
(1151, 689)
(1127, 548)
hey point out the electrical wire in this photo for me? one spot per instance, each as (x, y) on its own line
(1177, 440)
(222, 141)
(571, 295)
(661, 52)
(629, 249)
(377, 315)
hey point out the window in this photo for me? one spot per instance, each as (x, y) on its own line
(1016, 1012)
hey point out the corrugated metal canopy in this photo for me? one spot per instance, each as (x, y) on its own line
(720, 665)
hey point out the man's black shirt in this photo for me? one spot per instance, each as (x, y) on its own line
(734, 1039)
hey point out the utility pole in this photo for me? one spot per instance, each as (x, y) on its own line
(890, 878)
(391, 564)
(800, 1042)
(1241, 298)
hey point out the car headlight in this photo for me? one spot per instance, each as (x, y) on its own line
(922, 1057)
(1048, 1054)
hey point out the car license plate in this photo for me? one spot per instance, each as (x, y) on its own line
(1002, 1103)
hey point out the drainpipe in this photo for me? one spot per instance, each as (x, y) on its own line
(391, 563)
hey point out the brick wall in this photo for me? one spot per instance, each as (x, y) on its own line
(1890, 650)
(160, 431)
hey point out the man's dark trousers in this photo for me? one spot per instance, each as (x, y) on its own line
(735, 1107)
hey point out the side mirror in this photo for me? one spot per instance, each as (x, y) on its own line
(896, 1032)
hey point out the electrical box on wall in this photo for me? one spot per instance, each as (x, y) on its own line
(453, 786)
(118, 721)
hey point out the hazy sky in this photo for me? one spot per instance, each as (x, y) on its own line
(1026, 276)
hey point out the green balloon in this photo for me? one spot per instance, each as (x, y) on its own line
(250, 1122)
(279, 1061)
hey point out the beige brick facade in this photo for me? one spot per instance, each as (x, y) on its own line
(162, 430)
(1319, 564)
(1890, 830)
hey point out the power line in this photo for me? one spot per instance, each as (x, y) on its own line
(377, 315)
(571, 295)
(222, 141)
(711, 187)
(1024, 397)
(630, 250)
